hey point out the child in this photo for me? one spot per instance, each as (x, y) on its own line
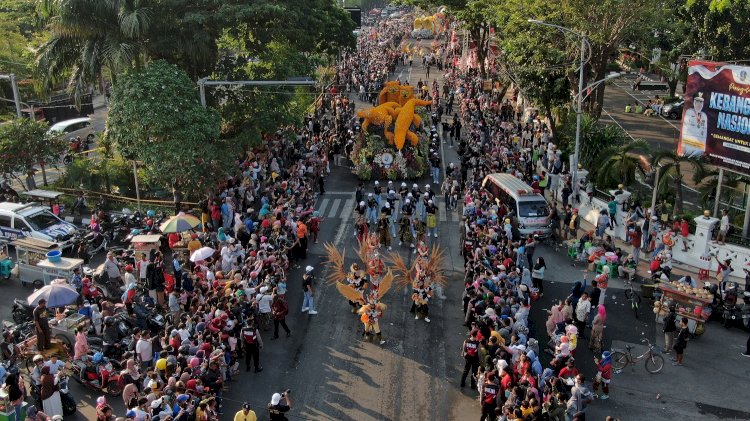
(603, 375)
(315, 225)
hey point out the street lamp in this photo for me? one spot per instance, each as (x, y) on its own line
(579, 110)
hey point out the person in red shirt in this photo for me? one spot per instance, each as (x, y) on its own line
(603, 375)
(215, 212)
(569, 371)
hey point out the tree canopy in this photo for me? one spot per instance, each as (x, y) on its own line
(25, 143)
(156, 118)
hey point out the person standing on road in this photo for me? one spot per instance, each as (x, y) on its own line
(582, 313)
(253, 345)
(580, 398)
(670, 327)
(681, 342)
(280, 309)
(308, 304)
(537, 275)
(280, 405)
(488, 396)
(636, 237)
(245, 414)
(603, 374)
(470, 352)
(41, 325)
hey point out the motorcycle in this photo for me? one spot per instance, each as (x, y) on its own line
(89, 244)
(100, 374)
(22, 311)
(145, 316)
(738, 315)
(69, 404)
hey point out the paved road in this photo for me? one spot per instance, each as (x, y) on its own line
(414, 376)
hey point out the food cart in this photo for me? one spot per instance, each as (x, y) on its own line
(145, 243)
(692, 303)
(36, 268)
(46, 197)
(7, 411)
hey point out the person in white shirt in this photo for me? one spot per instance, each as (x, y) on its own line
(145, 350)
(112, 267)
(582, 313)
(723, 227)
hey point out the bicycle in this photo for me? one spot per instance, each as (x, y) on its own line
(654, 361)
(632, 296)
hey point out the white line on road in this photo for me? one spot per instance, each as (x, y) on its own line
(344, 226)
(322, 208)
(334, 208)
(641, 102)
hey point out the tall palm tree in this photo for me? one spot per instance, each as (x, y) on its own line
(87, 36)
(670, 165)
(619, 164)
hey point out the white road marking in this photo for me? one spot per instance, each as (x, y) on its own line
(344, 226)
(334, 208)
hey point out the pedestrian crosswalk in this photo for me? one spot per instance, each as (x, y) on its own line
(329, 206)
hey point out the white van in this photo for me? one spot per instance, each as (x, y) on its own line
(33, 220)
(530, 209)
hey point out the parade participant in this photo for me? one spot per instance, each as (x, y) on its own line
(372, 209)
(406, 231)
(279, 309)
(432, 225)
(420, 230)
(370, 314)
(420, 299)
(383, 228)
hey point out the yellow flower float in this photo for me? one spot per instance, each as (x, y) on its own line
(406, 117)
(382, 115)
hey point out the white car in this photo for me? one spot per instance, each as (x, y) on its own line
(19, 220)
(73, 128)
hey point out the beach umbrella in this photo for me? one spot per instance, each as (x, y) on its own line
(56, 295)
(180, 223)
(202, 253)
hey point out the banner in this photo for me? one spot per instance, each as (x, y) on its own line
(716, 115)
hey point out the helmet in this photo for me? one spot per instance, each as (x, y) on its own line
(403, 184)
(415, 186)
(150, 213)
(377, 183)
(97, 358)
(427, 186)
(109, 320)
(38, 358)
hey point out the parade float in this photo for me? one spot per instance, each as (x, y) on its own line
(390, 145)
(426, 27)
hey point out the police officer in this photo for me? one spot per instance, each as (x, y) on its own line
(471, 357)
(253, 345)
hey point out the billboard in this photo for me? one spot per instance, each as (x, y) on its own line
(716, 115)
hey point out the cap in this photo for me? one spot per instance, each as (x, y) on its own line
(128, 268)
(183, 398)
(130, 414)
(427, 186)
(377, 183)
(362, 203)
(156, 403)
(309, 269)
(369, 194)
(415, 186)
(403, 184)
(387, 205)
(246, 405)
(275, 399)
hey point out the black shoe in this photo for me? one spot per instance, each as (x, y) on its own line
(288, 334)
(463, 384)
(259, 369)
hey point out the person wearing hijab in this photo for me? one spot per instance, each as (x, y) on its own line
(597, 329)
(49, 393)
(81, 346)
(575, 292)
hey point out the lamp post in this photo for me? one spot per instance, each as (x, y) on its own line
(579, 110)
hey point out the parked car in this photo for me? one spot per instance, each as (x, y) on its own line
(673, 110)
(32, 220)
(73, 128)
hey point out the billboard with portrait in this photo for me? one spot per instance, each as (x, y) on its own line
(716, 115)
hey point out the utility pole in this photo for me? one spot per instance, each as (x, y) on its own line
(16, 96)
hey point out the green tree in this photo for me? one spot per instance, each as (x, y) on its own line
(87, 36)
(620, 164)
(720, 27)
(24, 143)
(671, 167)
(156, 118)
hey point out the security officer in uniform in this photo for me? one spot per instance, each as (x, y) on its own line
(471, 357)
(253, 345)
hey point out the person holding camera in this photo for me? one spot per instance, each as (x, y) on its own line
(280, 404)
